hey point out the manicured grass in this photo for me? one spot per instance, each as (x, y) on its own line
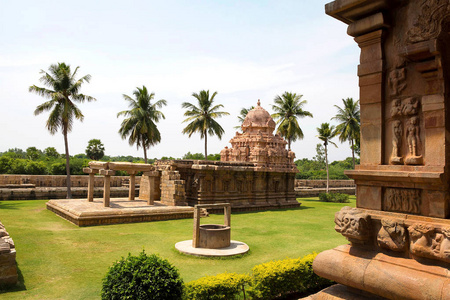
(58, 260)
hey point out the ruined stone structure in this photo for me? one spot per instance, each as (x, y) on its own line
(400, 231)
(8, 268)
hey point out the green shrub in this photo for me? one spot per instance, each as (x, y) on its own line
(334, 197)
(142, 277)
(35, 168)
(222, 286)
(280, 278)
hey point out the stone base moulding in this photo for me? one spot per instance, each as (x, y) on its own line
(388, 276)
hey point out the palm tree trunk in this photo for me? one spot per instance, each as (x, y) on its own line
(206, 147)
(326, 163)
(353, 154)
(66, 146)
(145, 154)
(289, 144)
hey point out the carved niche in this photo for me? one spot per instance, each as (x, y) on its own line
(353, 224)
(392, 235)
(405, 116)
(402, 200)
(430, 242)
(428, 24)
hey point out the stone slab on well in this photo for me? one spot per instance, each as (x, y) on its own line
(84, 213)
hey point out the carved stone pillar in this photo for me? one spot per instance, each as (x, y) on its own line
(107, 186)
(91, 173)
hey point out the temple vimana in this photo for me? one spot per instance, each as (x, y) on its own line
(257, 172)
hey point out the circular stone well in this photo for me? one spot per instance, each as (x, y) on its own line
(213, 236)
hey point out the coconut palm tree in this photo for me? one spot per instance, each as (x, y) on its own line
(63, 92)
(139, 126)
(288, 108)
(201, 117)
(350, 123)
(242, 114)
(326, 133)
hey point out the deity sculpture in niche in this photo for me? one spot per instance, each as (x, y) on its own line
(413, 139)
(396, 158)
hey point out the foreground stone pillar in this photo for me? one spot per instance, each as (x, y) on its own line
(399, 233)
(91, 172)
(132, 187)
(107, 186)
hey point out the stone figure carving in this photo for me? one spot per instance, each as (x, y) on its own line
(410, 107)
(396, 108)
(392, 235)
(353, 224)
(428, 24)
(427, 241)
(402, 200)
(413, 139)
(396, 159)
(397, 82)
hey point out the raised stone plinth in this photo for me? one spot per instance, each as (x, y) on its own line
(235, 248)
(84, 213)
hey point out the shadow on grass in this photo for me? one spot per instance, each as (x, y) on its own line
(5, 204)
(19, 286)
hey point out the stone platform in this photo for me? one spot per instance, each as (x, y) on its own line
(83, 213)
(235, 248)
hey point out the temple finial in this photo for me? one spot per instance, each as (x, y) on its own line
(259, 102)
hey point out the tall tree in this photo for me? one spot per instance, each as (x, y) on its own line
(288, 108)
(95, 149)
(326, 133)
(63, 91)
(242, 114)
(349, 124)
(201, 117)
(140, 124)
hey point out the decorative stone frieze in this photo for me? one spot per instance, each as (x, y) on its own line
(353, 224)
(430, 242)
(392, 235)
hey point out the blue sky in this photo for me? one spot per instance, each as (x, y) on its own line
(245, 50)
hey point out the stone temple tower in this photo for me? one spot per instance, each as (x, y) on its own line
(258, 144)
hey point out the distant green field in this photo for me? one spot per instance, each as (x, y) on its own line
(58, 260)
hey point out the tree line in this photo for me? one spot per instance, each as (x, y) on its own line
(139, 124)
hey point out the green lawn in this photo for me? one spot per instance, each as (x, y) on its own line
(58, 260)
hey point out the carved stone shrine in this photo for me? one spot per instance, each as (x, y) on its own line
(399, 233)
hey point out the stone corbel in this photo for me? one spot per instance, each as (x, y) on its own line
(353, 224)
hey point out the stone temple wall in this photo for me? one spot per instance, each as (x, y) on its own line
(8, 269)
(59, 180)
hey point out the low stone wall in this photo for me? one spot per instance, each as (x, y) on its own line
(59, 193)
(60, 180)
(313, 192)
(8, 268)
(323, 183)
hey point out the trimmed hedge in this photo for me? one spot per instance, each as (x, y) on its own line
(334, 197)
(283, 277)
(221, 286)
(268, 281)
(142, 277)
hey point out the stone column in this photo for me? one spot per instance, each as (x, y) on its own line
(195, 238)
(107, 185)
(132, 190)
(227, 214)
(91, 173)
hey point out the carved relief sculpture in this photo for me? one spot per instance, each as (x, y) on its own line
(410, 107)
(353, 224)
(396, 108)
(427, 241)
(413, 139)
(402, 200)
(427, 26)
(396, 158)
(392, 235)
(397, 82)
